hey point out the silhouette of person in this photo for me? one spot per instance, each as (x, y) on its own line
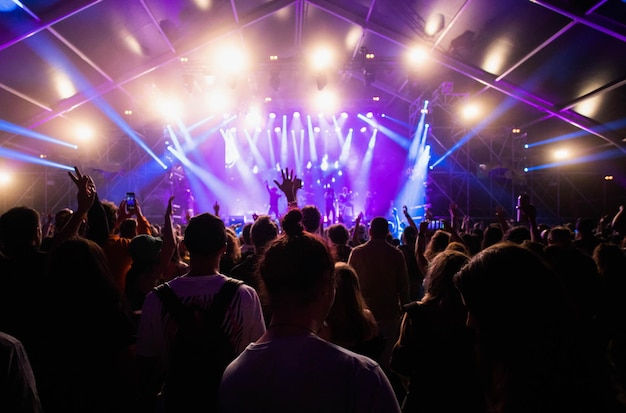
(329, 198)
(274, 197)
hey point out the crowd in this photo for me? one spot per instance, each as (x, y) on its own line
(103, 311)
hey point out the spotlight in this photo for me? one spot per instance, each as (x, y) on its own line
(5, 178)
(344, 115)
(418, 55)
(321, 59)
(277, 129)
(272, 115)
(296, 115)
(608, 178)
(84, 132)
(376, 98)
(369, 115)
(471, 111)
(561, 154)
(434, 24)
(363, 129)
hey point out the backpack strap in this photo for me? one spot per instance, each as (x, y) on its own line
(174, 306)
(222, 300)
(171, 303)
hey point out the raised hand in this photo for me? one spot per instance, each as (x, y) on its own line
(78, 177)
(168, 210)
(423, 227)
(290, 184)
(86, 191)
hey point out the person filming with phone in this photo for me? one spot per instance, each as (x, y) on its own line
(121, 221)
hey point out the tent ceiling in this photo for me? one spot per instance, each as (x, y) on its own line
(549, 66)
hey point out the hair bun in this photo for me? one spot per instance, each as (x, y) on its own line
(292, 223)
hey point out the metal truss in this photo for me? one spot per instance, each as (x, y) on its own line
(484, 168)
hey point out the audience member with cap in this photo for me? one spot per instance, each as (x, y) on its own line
(151, 256)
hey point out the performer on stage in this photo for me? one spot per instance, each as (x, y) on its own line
(370, 204)
(329, 198)
(274, 196)
(345, 202)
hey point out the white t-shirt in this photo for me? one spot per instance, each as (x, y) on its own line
(243, 321)
(304, 374)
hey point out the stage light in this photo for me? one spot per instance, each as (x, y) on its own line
(561, 154)
(321, 59)
(309, 165)
(128, 112)
(525, 169)
(273, 58)
(272, 115)
(470, 111)
(344, 115)
(363, 129)
(233, 59)
(203, 4)
(5, 178)
(296, 115)
(376, 98)
(369, 115)
(255, 169)
(184, 59)
(268, 99)
(64, 85)
(326, 102)
(434, 24)
(340, 173)
(417, 55)
(84, 132)
(526, 146)
(608, 178)
(324, 165)
(316, 129)
(277, 129)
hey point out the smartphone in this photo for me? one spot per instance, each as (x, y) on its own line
(130, 201)
(434, 224)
